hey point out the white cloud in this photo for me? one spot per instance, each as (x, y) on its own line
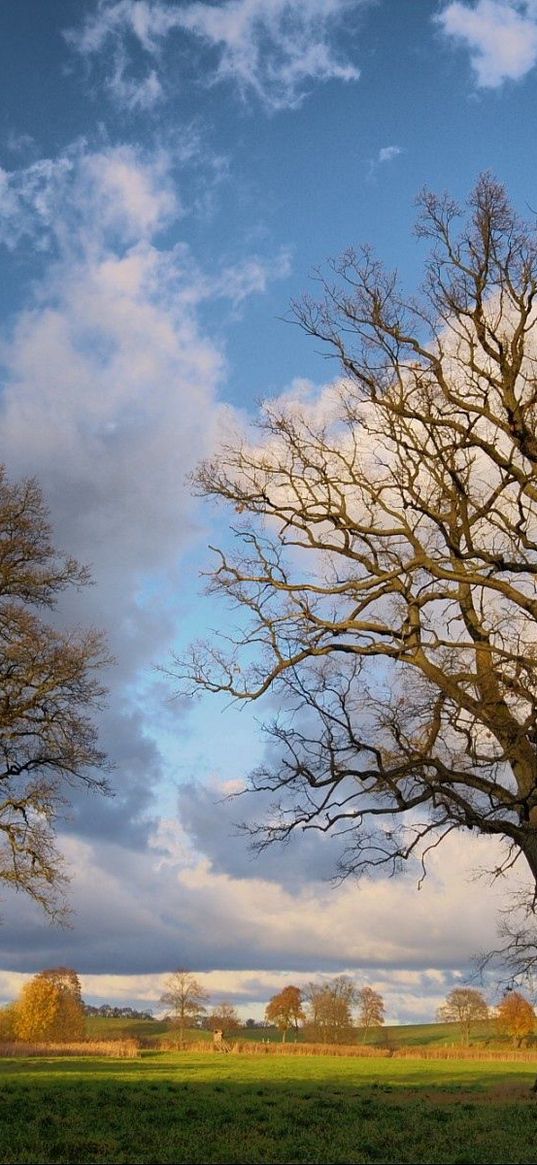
(385, 154)
(500, 35)
(274, 49)
(409, 996)
(110, 396)
(87, 199)
(388, 153)
(247, 937)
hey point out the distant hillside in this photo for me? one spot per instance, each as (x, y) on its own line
(402, 1035)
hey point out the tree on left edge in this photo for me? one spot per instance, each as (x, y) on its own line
(49, 686)
(50, 1008)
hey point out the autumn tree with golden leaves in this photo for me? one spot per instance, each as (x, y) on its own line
(50, 1008)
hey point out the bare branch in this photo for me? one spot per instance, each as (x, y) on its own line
(49, 681)
(383, 582)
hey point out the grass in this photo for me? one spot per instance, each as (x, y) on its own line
(441, 1035)
(100, 1027)
(200, 1108)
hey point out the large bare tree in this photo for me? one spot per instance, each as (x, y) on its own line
(386, 560)
(49, 686)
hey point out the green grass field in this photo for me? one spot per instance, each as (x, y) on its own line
(440, 1035)
(185, 1107)
(100, 1027)
(405, 1035)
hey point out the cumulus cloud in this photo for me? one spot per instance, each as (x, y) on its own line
(273, 49)
(88, 199)
(170, 907)
(109, 396)
(500, 35)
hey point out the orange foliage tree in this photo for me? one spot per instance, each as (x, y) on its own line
(516, 1016)
(285, 1010)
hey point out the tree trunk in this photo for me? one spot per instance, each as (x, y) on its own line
(528, 845)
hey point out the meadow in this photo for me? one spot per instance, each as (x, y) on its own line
(412, 1035)
(202, 1108)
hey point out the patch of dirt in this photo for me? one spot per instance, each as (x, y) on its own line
(510, 1092)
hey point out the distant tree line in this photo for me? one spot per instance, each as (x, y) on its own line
(466, 1007)
(50, 1009)
(111, 1012)
(329, 1012)
(326, 1012)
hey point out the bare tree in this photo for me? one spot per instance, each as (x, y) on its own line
(186, 997)
(465, 1006)
(224, 1017)
(370, 1008)
(329, 1010)
(387, 553)
(49, 680)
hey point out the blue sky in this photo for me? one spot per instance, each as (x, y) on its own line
(172, 172)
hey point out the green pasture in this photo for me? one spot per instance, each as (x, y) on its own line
(202, 1108)
(440, 1035)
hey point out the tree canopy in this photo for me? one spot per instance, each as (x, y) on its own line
(516, 1016)
(224, 1017)
(386, 552)
(464, 1006)
(285, 1009)
(50, 1008)
(185, 997)
(371, 1009)
(329, 1010)
(49, 681)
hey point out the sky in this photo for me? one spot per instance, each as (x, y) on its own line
(172, 172)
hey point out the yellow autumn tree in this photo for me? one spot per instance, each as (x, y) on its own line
(7, 1022)
(37, 1011)
(50, 1008)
